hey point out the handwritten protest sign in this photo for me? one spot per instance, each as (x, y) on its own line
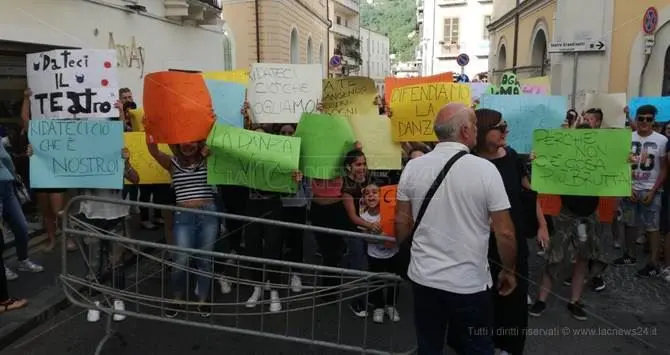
(612, 106)
(391, 82)
(252, 159)
(551, 206)
(374, 133)
(387, 204)
(227, 99)
(477, 90)
(583, 162)
(534, 90)
(662, 104)
(177, 107)
(538, 85)
(350, 96)
(280, 93)
(137, 119)
(325, 141)
(526, 113)
(240, 76)
(147, 167)
(71, 83)
(76, 154)
(415, 106)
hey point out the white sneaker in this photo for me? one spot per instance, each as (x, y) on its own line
(10, 275)
(529, 300)
(393, 313)
(253, 300)
(296, 284)
(148, 225)
(29, 266)
(378, 315)
(225, 285)
(275, 303)
(93, 315)
(119, 306)
(196, 291)
(665, 273)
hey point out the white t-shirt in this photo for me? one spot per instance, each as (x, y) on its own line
(648, 151)
(103, 210)
(450, 246)
(378, 250)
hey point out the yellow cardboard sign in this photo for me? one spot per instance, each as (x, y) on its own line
(350, 96)
(137, 119)
(147, 167)
(240, 76)
(374, 133)
(415, 106)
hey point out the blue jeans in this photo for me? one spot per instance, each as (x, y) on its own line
(13, 214)
(195, 231)
(469, 319)
(637, 214)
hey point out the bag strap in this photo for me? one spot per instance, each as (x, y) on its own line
(433, 188)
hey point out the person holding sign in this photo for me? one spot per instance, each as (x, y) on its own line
(642, 209)
(511, 311)
(49, 201)
(188, 170)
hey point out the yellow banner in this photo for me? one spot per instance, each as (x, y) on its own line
(147, 167)
(350, 96)
(137, 119)
(240, 76)
(374, 133)
(415, 106)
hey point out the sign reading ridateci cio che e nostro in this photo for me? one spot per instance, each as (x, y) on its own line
(71, 83)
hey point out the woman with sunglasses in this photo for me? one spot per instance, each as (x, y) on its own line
(511, 312)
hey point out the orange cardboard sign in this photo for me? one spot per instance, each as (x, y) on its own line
(391, 82)
(607, 207)
(387, 204)
(177, 107)
(551, 204)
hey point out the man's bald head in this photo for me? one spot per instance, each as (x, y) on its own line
(450, 119)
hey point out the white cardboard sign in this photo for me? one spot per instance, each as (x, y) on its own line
(280, 93)
(73, 83)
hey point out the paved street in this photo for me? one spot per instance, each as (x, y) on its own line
(628, 306)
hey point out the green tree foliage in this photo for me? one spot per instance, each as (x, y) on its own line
(397, 19)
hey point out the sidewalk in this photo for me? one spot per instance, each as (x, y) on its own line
(44, 290)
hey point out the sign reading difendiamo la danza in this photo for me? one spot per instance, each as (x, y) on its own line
(72, 83)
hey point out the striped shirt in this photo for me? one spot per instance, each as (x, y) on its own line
(191, 183)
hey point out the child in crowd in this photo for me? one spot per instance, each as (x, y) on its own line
(382, 257)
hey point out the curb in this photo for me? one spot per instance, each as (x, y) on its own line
(52, 302)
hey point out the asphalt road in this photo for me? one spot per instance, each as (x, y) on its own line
(631, 316)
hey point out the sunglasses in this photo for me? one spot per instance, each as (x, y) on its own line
(501, 126)
(648, 119)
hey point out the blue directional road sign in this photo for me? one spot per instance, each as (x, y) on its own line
(463, 78)
(462, 59)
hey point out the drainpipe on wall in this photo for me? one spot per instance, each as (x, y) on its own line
(330, 26)
(257, 7)
(646, 61)
(515, 54)
(432, 46)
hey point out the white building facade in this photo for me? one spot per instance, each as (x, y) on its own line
(375, 53)
(149, 36)
(453, 27)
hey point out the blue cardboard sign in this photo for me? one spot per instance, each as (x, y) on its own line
(76, 154)
(227, 99)
(662, 104)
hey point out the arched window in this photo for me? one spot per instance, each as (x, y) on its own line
(502, 58)
(539, 51)
(309, 51)
(321, 58)
(295, 55)
(666, 74)
(227, 51)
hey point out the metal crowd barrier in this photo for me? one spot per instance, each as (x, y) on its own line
(305, 317)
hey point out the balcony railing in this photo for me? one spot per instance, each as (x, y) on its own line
(353, 5)
(345, 31)
(202, 12)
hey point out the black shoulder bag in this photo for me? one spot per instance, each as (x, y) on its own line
(406, 245)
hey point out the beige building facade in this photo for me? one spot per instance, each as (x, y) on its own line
(276, 31)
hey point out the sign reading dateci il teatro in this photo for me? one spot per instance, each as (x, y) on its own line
(71, 83)
(281, 93)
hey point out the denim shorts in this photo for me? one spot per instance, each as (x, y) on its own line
(637, 214)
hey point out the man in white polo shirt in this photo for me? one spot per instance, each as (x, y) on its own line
(449, 246)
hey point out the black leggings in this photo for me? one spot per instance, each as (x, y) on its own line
(393, 265)
(330, 246)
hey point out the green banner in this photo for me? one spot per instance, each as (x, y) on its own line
(583, 162)
(253, 159)
(325, 141)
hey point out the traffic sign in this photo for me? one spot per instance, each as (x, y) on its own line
(463, 78)
(462, 59)
(335, 61)
(576, 46)
(650, 20)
